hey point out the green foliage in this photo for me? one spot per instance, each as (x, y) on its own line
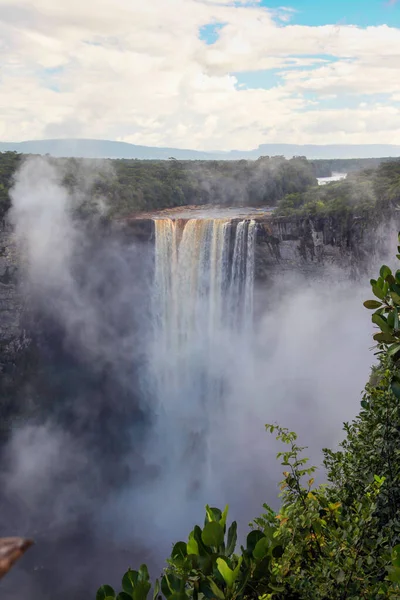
(371, 190)
(129, 186)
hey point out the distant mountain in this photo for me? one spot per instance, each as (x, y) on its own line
(108, 149)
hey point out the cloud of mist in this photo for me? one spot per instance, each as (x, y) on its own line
(103, 476)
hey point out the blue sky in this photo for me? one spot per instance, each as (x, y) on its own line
(349, 12)
(363, 13)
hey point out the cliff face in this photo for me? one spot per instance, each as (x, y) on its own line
(309, 244)
(306, 245)
(303, 244)
(13, 340)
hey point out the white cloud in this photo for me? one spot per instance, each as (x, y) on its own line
(138, 71)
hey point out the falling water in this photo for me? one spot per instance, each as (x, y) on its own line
(203, 293)
(204, 279)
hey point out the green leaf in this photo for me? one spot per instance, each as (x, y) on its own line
(261, 549)
(253, 538)
(395, 385)
(396, 556)
(224, 516)
(213, 514)
(372, 304)
(203, 550)
(378, 292)
(364, 404)
(219, 593)
(179, 551)
(129, 581)
(105, 592)
(232, 539)
(213, 534)
(395, 297)
(385, 271)
(124, 596)
(192, 545)
(157, 589)
(143, 585)
(381, 322)
(227, 573)
(170, 584)
(178, 596)
(384, 338)
(393, 349)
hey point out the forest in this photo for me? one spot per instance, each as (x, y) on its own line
(129, 186)
(360, 192)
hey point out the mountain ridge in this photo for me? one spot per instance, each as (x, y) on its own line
(103, 149)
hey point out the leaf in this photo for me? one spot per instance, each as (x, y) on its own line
(232, 539)
(179, 551)
(378, 292)
(396, 556)
(105, 592)
(192, 545)
(395, 297)
(129, 581)
(261, 549)
(372, 304)
(385, 271)
(157, 589)
(364, 404)
(395, 385)
(215, 589)
(381, 322)
(143, 585)
(384, 338)
(253, 538)
(170, 584)
(213, 534)
(124, 596)
(178, 596)
(227, 573)
(393, 349)
(203, 550)
(213, 514)
(224, 516)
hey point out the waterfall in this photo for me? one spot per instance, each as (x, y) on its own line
(204, 279)
(203, 293)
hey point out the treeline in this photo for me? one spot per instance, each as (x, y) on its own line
(325, 167)
(360, 192)
(128, 186)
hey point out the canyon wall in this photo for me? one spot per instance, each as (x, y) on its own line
(303, 245)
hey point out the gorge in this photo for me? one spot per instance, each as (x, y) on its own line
(142, 357)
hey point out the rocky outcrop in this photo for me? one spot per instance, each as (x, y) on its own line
(309, 244)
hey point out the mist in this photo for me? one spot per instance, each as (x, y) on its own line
(100, 473)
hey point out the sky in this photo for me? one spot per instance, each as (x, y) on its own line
(201, 74)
